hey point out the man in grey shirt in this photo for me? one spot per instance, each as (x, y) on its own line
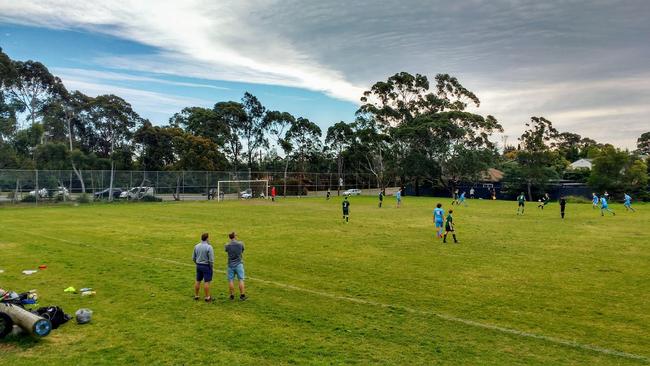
(203, 256)
(235, 249)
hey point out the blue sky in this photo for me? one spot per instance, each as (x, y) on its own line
(76, 56)
(581, 64)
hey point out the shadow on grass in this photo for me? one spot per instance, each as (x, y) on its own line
(21, 340)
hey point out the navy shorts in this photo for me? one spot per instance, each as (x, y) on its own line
(203, 272)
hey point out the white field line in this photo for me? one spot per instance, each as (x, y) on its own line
(472, 323)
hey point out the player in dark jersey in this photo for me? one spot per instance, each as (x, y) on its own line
(521, 203)
(449, 227)
(544, 201)
(562, 206)
(346, 209)
(381, 198)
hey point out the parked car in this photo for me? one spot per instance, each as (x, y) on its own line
(247, 194)
(137, 193)
(42, 193)
(61, 192)
(104, 194)
(352, 192)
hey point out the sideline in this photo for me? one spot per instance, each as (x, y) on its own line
(450, 318)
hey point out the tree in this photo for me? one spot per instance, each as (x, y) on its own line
(616, 171)
(32, 87)
(252, 131)
(643, 143)
(156, 146)
(535, 159)
(339, 137)
(304, 137)
(427, 128)
(203, 122)
(113, 119)
(233, 115)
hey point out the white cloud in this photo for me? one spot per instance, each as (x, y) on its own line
(65, 72)
(583, 64)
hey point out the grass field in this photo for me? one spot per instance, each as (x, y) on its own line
(527, 289)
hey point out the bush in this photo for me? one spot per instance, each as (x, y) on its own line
(83, 198)
(29, 198)
(150, 199)
(577, 199)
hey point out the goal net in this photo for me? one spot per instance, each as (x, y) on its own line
(242, 189)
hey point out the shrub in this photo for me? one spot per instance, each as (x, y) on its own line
(29, 198)
(83, 198)
(151, 199)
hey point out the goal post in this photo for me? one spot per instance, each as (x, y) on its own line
(242, 189)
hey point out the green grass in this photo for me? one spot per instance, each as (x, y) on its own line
(379, 290)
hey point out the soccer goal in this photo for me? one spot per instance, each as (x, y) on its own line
(242, 189)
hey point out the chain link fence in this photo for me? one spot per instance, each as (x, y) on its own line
(36, 186)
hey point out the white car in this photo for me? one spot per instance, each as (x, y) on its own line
(352, 192)
(247, 194)
(137, 193)
(42, 193)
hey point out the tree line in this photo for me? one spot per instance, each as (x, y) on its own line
(420, 131)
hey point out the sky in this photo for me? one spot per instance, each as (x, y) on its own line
(584, 65)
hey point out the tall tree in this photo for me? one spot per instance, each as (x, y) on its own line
(113, 120)
(535, 159)
(304, 136)
(233, 115)
(33, 86)
(643, 143)
(339, 137)
(203, 122)
(254, 127)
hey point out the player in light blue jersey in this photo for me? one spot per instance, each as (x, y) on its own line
(461, 199)
(628, 202)
(605, 207)
(438, 219)
(594, 200)
(398, 197)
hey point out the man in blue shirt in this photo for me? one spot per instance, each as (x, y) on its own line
(604, 207)
(594, 200)
(203, 256)
(628, 202)
(438, 219)
(235, 249)
(398, 197)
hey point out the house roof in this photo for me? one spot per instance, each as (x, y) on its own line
(492, 175)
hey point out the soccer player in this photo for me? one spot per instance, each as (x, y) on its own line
(328, 194)
(398, 197)
(471, 193)
(628, 202)
(454, 197)
(381, 198)
(521, 201)
(562, 206)
(594, 200)
(605, 207)
(273, 193)
(235, 249)
(346, 209)
(438, 219)
(449, 228)
(544, 201)
(461, 199)
(203, 257)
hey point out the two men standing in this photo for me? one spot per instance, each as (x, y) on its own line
(203, 257)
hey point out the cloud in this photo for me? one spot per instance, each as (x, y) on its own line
(583, 62)
(145, 102)
(69, 73)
